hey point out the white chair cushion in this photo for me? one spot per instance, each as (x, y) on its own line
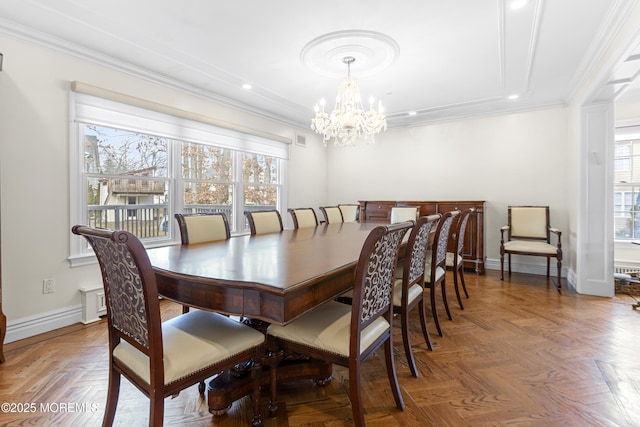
(450, 258)
(192, 342)
(328, 328)
(439, 273)
(528, 246)
(414, 292)
(205, 228)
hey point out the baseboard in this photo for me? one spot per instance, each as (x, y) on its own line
(34, 325)
(520, 267)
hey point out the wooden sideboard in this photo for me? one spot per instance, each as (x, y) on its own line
(473, 251)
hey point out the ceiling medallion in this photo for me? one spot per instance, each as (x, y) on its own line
(373, 52)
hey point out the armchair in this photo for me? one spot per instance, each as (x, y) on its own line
(528, 233)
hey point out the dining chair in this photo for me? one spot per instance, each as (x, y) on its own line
(349, 212)
(203, 227)
(263, 222)
(529, 233)
(455, 260)
(435, 269)
(403, 213)
(332, 214)
(408, 291)
(200, 228)
(303, 217)
(348, 334)
(162, 358)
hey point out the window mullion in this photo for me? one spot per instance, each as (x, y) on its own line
(238, 192)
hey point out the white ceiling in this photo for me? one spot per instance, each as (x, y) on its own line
(441, 59)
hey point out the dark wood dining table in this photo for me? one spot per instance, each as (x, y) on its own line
(272, 278)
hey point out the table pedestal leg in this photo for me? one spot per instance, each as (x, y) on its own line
(230, 386)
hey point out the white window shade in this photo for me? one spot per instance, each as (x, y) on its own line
(157, 119)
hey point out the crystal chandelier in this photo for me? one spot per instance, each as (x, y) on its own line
(348, 123)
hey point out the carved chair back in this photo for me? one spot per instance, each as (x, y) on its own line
(418, 243)
(374, 280)
(133, 311)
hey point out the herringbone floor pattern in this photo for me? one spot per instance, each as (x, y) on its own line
(519, 354)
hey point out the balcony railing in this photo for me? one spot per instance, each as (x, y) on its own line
(135, 186)
(149, 221)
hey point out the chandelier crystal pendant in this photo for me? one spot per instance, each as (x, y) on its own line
(349, 123)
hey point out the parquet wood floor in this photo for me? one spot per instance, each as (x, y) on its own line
(519, 354)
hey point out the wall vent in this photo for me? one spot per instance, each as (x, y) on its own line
(94, 304)
(301, 140)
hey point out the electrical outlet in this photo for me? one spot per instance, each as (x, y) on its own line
(48, 286)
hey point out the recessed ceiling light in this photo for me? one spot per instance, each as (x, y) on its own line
(413, 113)
(246, 86)
(514, 96)
(517, 4)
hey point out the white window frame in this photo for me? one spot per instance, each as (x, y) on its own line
(89, 109)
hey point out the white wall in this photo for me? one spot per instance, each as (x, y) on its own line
(34, 174)
(514, 159)
(307, 176)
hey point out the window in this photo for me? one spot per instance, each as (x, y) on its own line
(135, 168)
(123, 169)
(623, 156)
(626, 210)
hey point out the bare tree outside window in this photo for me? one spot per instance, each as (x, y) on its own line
(127, 183)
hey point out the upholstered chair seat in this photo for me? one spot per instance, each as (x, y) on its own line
(527, 246)
(190, 343)
(453, 258)
(415, 291)
(439, 271)
(327, 328)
